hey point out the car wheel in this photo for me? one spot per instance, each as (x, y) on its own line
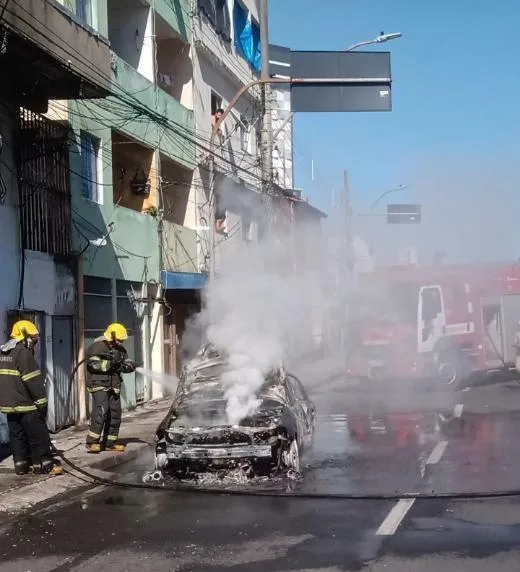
(291, 456)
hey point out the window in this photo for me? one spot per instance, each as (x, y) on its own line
(86, 11)
(297, 389)
(256, 61)
(216, 102)
(217, 12)
(90, 154)
(432, 303)
(98, 312)
(247, 36)
(244, 130)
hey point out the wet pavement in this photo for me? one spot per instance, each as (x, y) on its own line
(368, 441)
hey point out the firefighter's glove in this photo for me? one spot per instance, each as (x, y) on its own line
(128, 366)
(116, 360)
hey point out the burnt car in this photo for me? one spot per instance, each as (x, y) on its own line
(195, 436)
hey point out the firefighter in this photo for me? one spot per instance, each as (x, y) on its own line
(106, 360)
(23, 398)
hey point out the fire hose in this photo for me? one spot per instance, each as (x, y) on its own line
(286, 494)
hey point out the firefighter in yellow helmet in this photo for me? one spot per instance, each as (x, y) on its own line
(23, 398)
(106, 360)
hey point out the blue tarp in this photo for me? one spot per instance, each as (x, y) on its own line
(182, 280)
(247, 37)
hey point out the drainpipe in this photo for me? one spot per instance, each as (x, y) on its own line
(82, 391)
(147, 339)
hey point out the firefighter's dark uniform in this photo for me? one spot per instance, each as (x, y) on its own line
(105, 364)
(23, 398)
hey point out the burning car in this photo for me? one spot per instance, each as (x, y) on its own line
(196, 437)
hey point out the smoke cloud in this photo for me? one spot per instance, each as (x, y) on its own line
(468, 212)
(261, 311)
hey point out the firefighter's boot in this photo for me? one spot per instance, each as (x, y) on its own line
(52, 467)
(22, 467)
(117, 447)
(94, 448)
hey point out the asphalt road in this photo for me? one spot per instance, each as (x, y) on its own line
(387, 440)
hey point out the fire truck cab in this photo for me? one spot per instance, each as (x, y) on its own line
(439, 322)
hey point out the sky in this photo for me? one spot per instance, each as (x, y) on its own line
(451, 137)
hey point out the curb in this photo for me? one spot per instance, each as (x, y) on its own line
(118, 459)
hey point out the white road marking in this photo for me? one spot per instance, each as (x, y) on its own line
(437, 453)
(395, 517)
(457, 410)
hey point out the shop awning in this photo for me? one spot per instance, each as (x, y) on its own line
(182, 280)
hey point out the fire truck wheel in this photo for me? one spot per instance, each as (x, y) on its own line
(447, 373)
(452, 370)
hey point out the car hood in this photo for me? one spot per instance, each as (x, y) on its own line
(212, 413)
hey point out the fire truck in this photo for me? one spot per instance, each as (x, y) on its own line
(443, 323)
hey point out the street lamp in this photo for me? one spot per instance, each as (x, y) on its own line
(382, 195)
(379, 40)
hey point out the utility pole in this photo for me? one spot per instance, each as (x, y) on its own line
(346, 260)
(267, 132)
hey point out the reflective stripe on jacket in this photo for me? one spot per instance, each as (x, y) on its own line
(101, 373)
(21, 382)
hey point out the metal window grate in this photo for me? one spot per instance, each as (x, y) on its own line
(43, 170)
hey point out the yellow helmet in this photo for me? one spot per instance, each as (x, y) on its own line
(23, 328)
(117, 331)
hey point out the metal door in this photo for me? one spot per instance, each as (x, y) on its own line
(63, 400)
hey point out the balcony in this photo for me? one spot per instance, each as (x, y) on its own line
(134, 175)
(131, 249)
(179, 241)
(61, 57)
(176, 15)
(180, 248)
(172, 139)
(174, 65)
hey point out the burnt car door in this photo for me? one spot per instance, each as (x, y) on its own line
(304, 408)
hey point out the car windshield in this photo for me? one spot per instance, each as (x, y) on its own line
(203, 380)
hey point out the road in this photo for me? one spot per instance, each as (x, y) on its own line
(373, 440)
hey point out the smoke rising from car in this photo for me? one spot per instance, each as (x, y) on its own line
(261, 311)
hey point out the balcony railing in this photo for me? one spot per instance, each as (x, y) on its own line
(174, 138)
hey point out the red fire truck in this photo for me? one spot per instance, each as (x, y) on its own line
(440, 322)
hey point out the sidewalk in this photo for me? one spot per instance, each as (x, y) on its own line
(137, 431)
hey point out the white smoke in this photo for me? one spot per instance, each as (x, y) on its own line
(259, 312)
